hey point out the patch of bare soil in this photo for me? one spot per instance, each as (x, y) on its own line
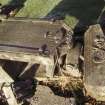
(45, 96)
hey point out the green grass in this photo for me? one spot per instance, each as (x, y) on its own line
(37, 8)
(76, 12)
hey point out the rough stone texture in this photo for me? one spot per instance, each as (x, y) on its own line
(95, 62)
(30, 36)
(31, 41)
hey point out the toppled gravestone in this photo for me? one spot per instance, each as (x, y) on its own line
(40, 44)
(50, 55)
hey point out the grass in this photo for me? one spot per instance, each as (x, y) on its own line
(75, 12)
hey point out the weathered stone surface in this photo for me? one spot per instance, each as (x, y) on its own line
(9, 95)
(95, 62)
(4, 77)
(32, 41)
(31, 36)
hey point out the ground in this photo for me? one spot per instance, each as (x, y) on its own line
(47, 97)
(75, 12)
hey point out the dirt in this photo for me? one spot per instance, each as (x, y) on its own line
(45, 96)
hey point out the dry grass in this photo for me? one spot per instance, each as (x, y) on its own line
(64, 83)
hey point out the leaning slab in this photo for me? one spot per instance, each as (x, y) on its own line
(94, 52)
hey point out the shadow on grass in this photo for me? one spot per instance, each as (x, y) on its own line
(85, 11)
(12, 7)
(15, 2)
